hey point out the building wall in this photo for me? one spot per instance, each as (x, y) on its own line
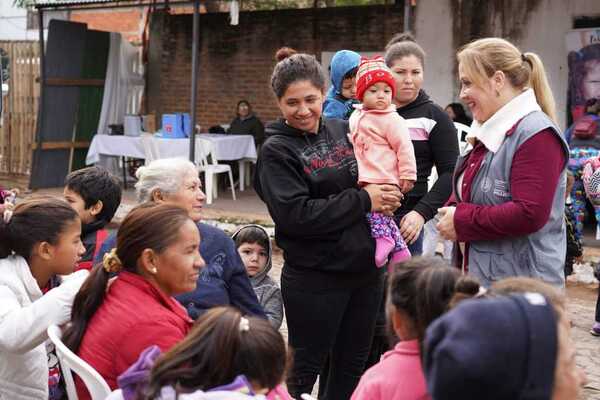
(433, 31)
(236, 61)
(13, 22)
(129, 22)
(544, 33)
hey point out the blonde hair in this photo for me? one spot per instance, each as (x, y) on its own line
(482, 58)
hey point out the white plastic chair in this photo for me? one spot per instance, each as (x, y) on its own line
(460, 128)
(69, 361)
(204, 151)
(151, 151)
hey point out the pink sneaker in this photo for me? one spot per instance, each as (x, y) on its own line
(400, 256)
(383, 246)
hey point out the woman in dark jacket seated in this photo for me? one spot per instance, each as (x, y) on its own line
(246, 123)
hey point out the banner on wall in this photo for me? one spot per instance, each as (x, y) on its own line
(583, 46)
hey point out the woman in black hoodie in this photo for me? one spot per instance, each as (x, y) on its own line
(307, 175)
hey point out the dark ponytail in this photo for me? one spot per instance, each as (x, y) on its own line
(219, 347)
(34, 220)
(466, 287)
(423, 289)
(148, 226)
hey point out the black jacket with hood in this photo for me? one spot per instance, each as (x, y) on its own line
(309, 183)
(439, 149)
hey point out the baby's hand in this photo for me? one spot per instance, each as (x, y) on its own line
(406, 185)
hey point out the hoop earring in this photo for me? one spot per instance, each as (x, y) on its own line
(497, 93)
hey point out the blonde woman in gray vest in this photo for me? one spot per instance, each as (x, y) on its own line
(507, 207)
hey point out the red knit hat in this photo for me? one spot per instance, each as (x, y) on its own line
(371, 71)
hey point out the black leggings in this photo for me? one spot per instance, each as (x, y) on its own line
(338, 323)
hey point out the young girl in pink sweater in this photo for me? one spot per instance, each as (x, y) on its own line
(419, 291)
(383, 150)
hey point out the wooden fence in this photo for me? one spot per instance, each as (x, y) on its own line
(17, 130)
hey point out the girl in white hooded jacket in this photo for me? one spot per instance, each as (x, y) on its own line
(39, 241)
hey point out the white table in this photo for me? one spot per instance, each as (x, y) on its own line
(239, 148)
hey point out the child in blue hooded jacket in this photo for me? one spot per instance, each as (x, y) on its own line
(341, 94)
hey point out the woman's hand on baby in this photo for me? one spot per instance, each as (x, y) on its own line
(384, 198)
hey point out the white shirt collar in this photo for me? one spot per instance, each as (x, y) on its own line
(492, 132)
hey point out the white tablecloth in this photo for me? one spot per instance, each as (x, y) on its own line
(227, 147)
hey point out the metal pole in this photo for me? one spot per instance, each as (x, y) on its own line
(406, 15)
(195, 32)
(40, 114)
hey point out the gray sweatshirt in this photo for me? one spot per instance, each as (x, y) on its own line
(266, 289)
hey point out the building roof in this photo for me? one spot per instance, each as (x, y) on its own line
(69, 2)
(99, 3)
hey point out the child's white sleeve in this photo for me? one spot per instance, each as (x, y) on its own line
(399, 139)
(24, 328)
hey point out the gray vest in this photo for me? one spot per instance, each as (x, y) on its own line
(538, 255)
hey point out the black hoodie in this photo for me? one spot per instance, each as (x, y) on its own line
(440, 149)
(309, 183)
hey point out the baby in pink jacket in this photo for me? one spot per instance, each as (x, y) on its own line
(383, 150)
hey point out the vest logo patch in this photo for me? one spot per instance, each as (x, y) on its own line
(486, 184)
(501, 188)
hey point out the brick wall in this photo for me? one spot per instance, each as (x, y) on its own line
(128, 22)
(236, 61)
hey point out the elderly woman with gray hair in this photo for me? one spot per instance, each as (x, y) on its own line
(224, 280)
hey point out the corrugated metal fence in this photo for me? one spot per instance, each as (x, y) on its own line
(17, 130)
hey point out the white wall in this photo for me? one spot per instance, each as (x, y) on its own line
(13, 22)
(433, 31)
(543, 34)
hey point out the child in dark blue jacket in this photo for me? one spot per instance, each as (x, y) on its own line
(341, 94)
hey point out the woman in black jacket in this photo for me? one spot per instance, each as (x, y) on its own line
(247, 123)
(307, 175)
(435, 142)
(433, 135)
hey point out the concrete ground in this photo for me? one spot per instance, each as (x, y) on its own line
(248, 208)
